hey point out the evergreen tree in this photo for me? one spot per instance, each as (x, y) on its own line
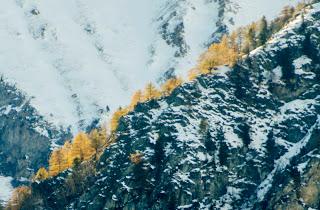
(140, 177)
(263, 31)
(203, 126)
(208, 142)
(245, 134)
(158, 157)
(172, 201)
(251, 38)
(270, 148)
(296, 176)
(223, 153)
(223, 148)
(98, 139)
(286, 14)
(287, 67)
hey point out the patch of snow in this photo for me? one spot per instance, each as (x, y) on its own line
(232, 138)
(201, 156)
(302, 166)
(300, 63)
(297, 106)
(277, 75)
(125, 186)
(185, 206)
(6, 189)
(181, 176)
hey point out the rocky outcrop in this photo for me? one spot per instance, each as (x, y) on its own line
(240, 138)
(26, 138)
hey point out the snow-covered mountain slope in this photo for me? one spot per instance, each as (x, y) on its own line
(73, 58)
(245, 137)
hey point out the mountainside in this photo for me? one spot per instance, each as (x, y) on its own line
(63, 65)
(245, 137)
(77, 57)
(26, 139)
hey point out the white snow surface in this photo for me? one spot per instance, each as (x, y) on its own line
(73, 58)
(6, 189)
(249, 10)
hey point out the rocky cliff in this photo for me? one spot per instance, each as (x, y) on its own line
(245, 137)
(26, 138)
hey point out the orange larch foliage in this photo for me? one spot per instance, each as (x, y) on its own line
(116, 117)
(151, 92)
(170, 85)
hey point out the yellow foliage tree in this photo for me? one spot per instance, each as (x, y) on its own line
(193, 73)
(218, 54)
(81, 147)
(170, 85)
(116, 117)
(18, 198)
(56, 162)
(67, 154)
(42, 174)
(151, 92)
(136, 98)
(98, 139)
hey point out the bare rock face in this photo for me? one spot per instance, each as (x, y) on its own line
(25, 137)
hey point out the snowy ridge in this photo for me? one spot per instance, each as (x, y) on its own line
(74, 58)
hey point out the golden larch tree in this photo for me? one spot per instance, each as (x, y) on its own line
(116, 117)
(151, 92)
(67, 154)
(18, 198)
(136, 98)
(81, 147)
(56, 162)
(41, 174)
(98, 140)
(218, 54)
(170, 85)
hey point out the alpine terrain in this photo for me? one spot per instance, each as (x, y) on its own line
(242, 132)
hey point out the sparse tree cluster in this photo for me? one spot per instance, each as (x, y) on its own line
(150, 92)
(242, 41)
(84, 147)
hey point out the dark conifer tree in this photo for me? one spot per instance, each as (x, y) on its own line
(271, 148)
(287, 67)
(263, 32)
(245, 134)
(158, 158)
(296, 176)
(223, 148)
